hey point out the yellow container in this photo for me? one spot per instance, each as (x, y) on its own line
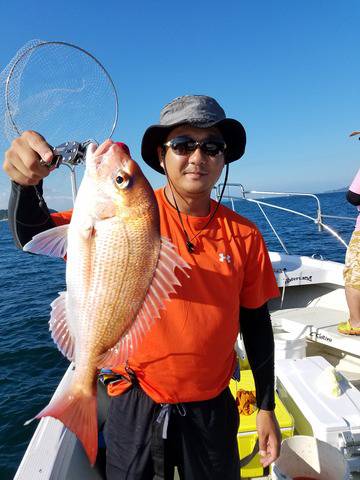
(247, 434)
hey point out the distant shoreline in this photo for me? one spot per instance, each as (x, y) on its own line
(4, 212)
(344, 189)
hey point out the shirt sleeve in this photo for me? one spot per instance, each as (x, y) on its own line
(353, 198)
(61, 218)
(257, 333)
(28, 214)
(259, 283)
(355, 185)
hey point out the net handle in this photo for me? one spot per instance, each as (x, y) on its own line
(41, 44)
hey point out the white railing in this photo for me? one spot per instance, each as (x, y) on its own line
(242, 194)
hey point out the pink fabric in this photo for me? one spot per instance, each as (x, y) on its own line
(355, 187)
(357, 224)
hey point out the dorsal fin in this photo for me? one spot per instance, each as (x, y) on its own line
(162, 284)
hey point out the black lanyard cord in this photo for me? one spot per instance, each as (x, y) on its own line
(189, 245)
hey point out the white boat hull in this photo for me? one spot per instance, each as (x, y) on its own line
(312, 303)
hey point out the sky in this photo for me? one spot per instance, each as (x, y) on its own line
(287, 70)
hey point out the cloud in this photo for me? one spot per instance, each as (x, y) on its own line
(4, 197)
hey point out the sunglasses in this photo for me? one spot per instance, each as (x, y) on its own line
(185, 146)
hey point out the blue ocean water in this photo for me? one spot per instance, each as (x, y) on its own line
(30, 364)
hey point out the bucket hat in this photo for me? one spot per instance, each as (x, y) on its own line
(198, 111)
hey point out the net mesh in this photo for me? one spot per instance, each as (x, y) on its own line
(58, 90)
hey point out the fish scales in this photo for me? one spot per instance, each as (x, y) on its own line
(126, 274)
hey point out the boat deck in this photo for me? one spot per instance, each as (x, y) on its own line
(312, 304)
(319, 324)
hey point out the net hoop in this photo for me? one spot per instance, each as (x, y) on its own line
(42, 44)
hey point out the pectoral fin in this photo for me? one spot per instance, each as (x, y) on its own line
(52, 242)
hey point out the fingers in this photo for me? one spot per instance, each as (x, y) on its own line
(269, 452)
(20, 178)
(264, 450)
(38, 144)
(22, 159)
(269, 437)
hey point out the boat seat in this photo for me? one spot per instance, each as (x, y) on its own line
(318, 324)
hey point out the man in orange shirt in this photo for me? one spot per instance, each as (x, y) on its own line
(171, 404)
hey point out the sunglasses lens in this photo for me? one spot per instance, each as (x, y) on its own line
(213, 148)
(183, 146)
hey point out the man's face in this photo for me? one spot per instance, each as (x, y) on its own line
(195, 172)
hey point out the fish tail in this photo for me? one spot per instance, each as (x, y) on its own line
(78, 412)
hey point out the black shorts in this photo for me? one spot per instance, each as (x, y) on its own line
(200, 438)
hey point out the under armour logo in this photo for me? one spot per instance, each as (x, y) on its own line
(223, 258)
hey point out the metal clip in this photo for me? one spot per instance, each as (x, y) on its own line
(70, 153)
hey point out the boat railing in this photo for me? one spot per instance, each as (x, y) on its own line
(242, 194)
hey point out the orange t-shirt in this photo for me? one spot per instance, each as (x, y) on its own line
(61, 218)
(188, 355)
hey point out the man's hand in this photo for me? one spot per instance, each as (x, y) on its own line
(22, 159)
(269, 437)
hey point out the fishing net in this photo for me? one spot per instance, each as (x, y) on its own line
(58, 90)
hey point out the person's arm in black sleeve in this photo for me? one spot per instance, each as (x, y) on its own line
(353, 198)
(256, 329)
(28, 214)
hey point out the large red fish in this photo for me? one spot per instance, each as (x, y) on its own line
(119, 270)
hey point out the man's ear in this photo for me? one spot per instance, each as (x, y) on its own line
(161, 156)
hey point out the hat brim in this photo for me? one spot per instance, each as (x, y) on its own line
(232, 131)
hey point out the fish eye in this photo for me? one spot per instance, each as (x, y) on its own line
(121, 180)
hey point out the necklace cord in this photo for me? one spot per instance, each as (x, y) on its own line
(189, 245)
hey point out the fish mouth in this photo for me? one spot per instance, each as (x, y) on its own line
(111, 147)
(109, 157)
(103, 148)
